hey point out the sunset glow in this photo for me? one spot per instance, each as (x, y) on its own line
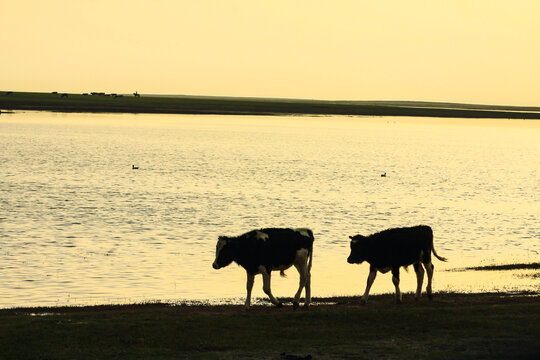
(459, 51)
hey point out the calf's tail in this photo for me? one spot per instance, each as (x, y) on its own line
(310, 258)
(433, 246)
(437, 256)
(311, 250)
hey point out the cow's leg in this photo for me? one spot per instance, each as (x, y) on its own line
(308, 288)
(266, 286)
(429, 268)
(302, 270)
(395, 280)
(249, 287)
(419, 279)
(370, 280)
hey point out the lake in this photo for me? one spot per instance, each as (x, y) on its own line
(79, 226)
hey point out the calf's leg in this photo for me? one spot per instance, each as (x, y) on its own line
(370, 280)
(419, 279)
(429, 269)
(249, 286)
(395, 280)
(302, 270)
(266, 286)
(308, 288)
(309, 260)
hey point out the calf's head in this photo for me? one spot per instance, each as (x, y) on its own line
(358, 250)
(225, 252)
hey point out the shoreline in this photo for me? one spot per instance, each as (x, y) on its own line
(442, 298)
(213, 105)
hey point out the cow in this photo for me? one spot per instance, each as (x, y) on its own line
(262, 251)
(390, 249)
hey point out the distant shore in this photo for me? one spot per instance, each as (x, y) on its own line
(164, 104)
(452, 326)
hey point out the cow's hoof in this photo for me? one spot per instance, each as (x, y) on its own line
(416, 299)
(279, 304)
(398, 301)
(363, 301)
(295, 305)
(306, 305)
(430, 296)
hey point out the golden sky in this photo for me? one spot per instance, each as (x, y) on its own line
(485, 51)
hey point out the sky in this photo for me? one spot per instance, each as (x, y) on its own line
(483, 51)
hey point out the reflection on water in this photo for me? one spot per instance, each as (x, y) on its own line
(79, 226)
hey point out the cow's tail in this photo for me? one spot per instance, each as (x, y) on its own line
(435, 253)
(433, 246)
(311, 251)
(310, 259)
(437, 256)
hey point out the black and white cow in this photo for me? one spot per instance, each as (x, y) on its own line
(264, 250)
(390, 249)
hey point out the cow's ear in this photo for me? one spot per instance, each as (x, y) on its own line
(350, 237)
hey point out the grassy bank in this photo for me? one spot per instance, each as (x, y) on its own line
(528, 266)
(453, 326)
(252, 106)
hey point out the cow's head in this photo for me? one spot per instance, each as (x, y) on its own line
(358, 250)
(225, 252)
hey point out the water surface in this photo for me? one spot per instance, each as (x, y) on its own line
(79, 226)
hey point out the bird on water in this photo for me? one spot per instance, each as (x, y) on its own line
(133, 167)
